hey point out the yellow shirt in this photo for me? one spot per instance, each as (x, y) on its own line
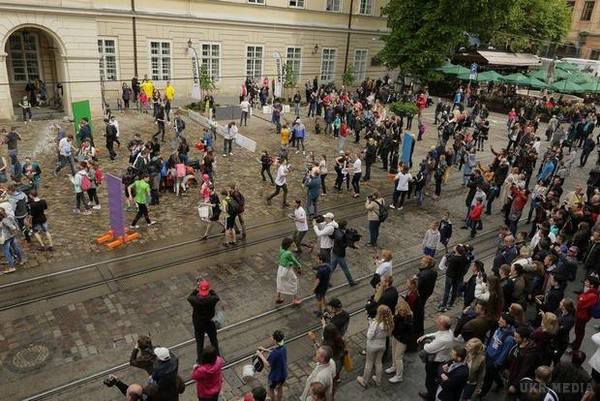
(285, 136)
(170, 93)
(148, 88)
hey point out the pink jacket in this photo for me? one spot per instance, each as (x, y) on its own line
(208, 378)
(180, 170)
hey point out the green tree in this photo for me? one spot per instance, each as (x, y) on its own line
(290, 78)
(348, 76)
(426, 32)
(207, 83)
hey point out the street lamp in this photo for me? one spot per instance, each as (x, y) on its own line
(196, 85)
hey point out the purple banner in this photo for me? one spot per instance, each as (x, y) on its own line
(114, 186)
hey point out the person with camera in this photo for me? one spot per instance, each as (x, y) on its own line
(143, 356)
(324, 229)
(338, 252)
(336, 315)
(277, 363)
(375, 204)
(204, 301)
(165, 374)
(134, 392)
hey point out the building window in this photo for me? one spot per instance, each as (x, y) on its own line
(366, 7)
(595, 54)
(24, 57)
(360, 64)
(297, 3)
(107, 51)
(294, 60)
(328, 65)
(256, 1)
(160, 59)
(588, 8)
(254, 59)
(334, 5)
(211, 59)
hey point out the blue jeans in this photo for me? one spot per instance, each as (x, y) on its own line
(312, 203)
(14, 161)
(11, 250)
(450, 291)
(339, 260)
(373, 231)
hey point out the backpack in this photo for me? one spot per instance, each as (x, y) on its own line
(85, 182)
(99, 176)
(383, 212)
(233, 207)
(239, 198)
(21, 208)
(352, 236)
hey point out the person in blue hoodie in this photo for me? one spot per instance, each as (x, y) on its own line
(496, 352)
(547, 170)
(299, 132)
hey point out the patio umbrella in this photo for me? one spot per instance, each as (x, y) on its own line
(592, 86)
(516, 79)
(539, 74)
(567, 66)
(489, 76)
(452, 69)
(566, 86)
(536, 83)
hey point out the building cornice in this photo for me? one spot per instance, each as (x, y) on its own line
(141, 15)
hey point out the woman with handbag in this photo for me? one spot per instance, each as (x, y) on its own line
(287, 281)
(214, 205)
(379, 329)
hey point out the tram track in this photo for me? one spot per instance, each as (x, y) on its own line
(70, 281)
(363, 283)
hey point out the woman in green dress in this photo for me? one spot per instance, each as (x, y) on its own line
(287, 281)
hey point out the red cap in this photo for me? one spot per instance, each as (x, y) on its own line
(203, 288)
(248, 397)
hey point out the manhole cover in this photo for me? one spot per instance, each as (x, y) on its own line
(28, 358)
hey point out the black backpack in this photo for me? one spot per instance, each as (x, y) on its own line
(241, 201)
(383, 211)
(21, 208)
(233, 207)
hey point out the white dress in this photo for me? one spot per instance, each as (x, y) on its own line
(287, 281)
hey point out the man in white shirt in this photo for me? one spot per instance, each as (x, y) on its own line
(281, 183)
(438, 352)
(299, 218)
(65, 154)
(245, 107)
(324, 232)
(324, 373)
(403, 178)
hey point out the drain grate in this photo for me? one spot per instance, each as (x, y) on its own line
(28, 358)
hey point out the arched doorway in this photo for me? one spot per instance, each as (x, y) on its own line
(36, 69)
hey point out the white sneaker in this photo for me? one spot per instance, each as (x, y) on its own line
(152, 223)
(395, 379)
(391, 370)
(392, 207)
(401, 207)
(131, 226)
(224, 154)
(230, 154)
(97, 207)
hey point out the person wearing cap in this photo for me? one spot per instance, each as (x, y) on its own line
(165, 374)
(337, 316)
(204, 300)
(324, 232)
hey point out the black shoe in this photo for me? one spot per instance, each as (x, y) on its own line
(352, 283)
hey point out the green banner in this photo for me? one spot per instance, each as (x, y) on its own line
(81, 110)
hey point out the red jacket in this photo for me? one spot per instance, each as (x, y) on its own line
(208, 378)
(475, 213)
(585, 302)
